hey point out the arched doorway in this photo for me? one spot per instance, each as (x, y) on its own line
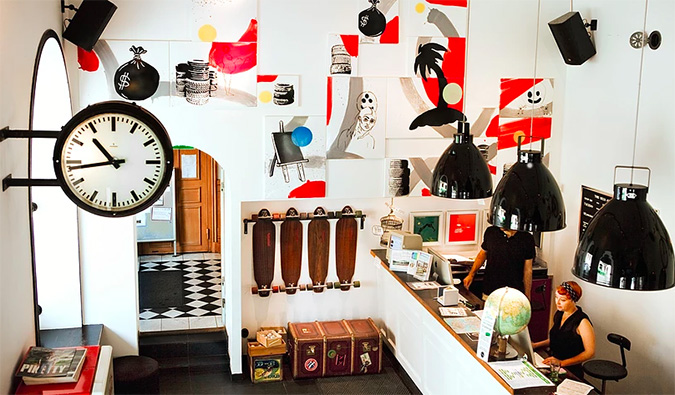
(180, 277)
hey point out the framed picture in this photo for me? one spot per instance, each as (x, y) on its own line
(429, 225)
(462, 227)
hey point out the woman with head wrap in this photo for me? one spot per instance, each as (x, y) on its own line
(571, 338)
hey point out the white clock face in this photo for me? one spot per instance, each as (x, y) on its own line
(113, 162)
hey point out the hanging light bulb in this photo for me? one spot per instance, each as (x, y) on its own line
(528, 198)
(461, 172)
(626, 245)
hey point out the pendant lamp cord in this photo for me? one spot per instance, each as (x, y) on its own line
(466, 55)
(534, 80)
(637, 109)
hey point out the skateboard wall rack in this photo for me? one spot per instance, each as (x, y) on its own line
(278, 217)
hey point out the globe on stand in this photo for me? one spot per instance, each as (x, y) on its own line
(512, 312)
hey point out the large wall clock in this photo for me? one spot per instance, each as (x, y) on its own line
(113, 159)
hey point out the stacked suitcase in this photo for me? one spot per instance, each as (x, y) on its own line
(334, 348)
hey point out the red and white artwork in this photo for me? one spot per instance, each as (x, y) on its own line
(221, 20)
(295, 157)
(356, 122)
(525, 111)
(379, 21)
(343, 51)
(213, 74)
(280, 91)
(462, 227)
(433, 18)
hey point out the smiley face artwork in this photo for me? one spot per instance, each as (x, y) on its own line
(113, 159)
(522, 98)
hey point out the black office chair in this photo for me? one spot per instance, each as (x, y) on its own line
(536, 304)
(608, 370)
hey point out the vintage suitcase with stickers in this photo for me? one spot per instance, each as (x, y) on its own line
(306, 349)
(366, 346)
(338, 348)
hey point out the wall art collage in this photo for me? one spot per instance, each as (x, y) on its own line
(217, 69)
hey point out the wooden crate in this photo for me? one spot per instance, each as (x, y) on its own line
(266, 363)
(269, 338)
(279, 329)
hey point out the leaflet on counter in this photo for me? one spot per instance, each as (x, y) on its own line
(520, 374)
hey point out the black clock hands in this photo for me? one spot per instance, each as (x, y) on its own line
(110, 158)
(114, 162)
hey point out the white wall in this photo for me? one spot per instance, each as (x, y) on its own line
(592, 132)
(599, 128)
(18, 45)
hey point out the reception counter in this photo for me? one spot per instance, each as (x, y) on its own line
(437, 359)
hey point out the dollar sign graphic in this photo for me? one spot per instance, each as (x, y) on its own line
(124, 81)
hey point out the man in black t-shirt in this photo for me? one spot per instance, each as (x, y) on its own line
(509, 255)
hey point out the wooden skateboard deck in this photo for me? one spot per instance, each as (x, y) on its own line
(345, 248)
(291, 250)
(318, 249)
(264, 240)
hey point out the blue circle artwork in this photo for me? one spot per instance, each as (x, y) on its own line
(301, 136)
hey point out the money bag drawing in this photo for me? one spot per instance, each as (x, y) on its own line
(136, 79)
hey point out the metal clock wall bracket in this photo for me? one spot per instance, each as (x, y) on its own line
(112, 159)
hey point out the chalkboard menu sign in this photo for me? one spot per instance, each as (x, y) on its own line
(592, 201)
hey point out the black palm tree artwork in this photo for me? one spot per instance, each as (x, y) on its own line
(426, 61)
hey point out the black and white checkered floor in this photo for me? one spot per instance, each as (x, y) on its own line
(201, 293)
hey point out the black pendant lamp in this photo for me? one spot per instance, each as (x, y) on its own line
(528, 198)
(626, 245)
(462, 172)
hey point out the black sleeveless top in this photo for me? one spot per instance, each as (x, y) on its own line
(565, 342)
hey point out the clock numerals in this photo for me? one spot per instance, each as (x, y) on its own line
(149, 181)
(153, 162)
(78, 142)
(114, 199)
(133, 128)
(113, 124)
(148, 142)
(91, 126)
(78, 182)
(93, 196)
(133, 194)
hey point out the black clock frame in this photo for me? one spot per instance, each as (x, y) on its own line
(114, 107)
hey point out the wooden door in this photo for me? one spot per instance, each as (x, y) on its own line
(197, 206)
(193, 200)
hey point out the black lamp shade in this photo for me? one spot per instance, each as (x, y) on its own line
(626, 245)
(528, 198)
(461, 172)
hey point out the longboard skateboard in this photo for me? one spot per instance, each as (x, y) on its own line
(345, 249)
(318, 249)
(291, 251)
(264, 239)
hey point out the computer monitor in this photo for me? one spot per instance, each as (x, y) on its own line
(522, 343)
(441, 266)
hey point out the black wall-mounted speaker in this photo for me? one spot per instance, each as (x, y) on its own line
(88, 23)
(572, 38)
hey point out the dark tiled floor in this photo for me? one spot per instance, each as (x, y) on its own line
(392, 380)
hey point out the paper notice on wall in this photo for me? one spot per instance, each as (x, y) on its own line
(161, 214)
(188, 166)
